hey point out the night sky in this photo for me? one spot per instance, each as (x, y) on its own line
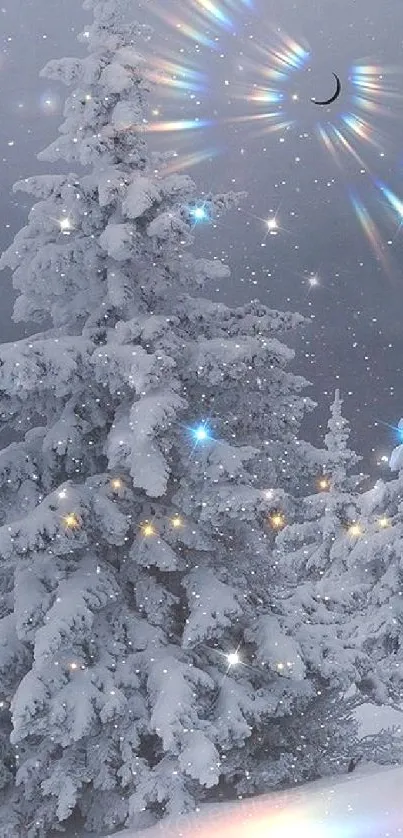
(233, 87)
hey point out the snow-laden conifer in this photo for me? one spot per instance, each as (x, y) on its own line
(323, 589)
(378, 556)
(139, 657)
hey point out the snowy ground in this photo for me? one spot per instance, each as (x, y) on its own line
(365, 804)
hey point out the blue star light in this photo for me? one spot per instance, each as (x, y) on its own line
(200, 213)
(398, 429)
(201, 433)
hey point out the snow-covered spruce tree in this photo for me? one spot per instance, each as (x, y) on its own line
(321, 593)
(136, 553)
(327, 520)
(378, 625)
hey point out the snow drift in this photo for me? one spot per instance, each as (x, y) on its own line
(365, 804)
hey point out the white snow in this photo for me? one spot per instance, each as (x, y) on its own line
(365, 804)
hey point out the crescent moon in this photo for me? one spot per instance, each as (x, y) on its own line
(332, 98)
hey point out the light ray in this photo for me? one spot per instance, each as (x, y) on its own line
(194, 31)
(371, 232)
(180, 162)
(166, 73)
(213, 11)
(179, 125)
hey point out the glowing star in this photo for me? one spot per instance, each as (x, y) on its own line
(201, 433)
(116, 484)
(200, 213)
(176, 522)
(323, 484)
(313, 281)
(355, 530)
(73, 666)
(147, 530)
(62, 494)
(71, 521)
(272, 226)
(277, 520)
(233, 658)
(65, 226)
(384, 522)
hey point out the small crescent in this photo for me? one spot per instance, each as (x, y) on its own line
(335, 95)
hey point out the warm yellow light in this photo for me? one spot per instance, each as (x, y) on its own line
(384, 522)
(71, 521)
(116, 483)
(355, 530)
(147, 530)
(323, 484)
(277, 520)
(176, 521)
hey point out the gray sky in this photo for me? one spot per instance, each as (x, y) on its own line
(356, 339)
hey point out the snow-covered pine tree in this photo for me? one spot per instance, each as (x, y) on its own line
(378, 558)
(321, 592)
(328, 518)
(135, 544)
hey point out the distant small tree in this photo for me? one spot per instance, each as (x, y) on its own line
(378, 625)
(320, 596)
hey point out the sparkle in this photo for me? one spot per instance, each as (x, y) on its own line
(147, 529)
(277, 520)
(233, 658)
(71, 521)
(176, 522)
(62, 494)
(323, 484)
(201, 433)
(200, 213)
(116, 483)
(384, 522)
(65, 226)
(355, 530)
